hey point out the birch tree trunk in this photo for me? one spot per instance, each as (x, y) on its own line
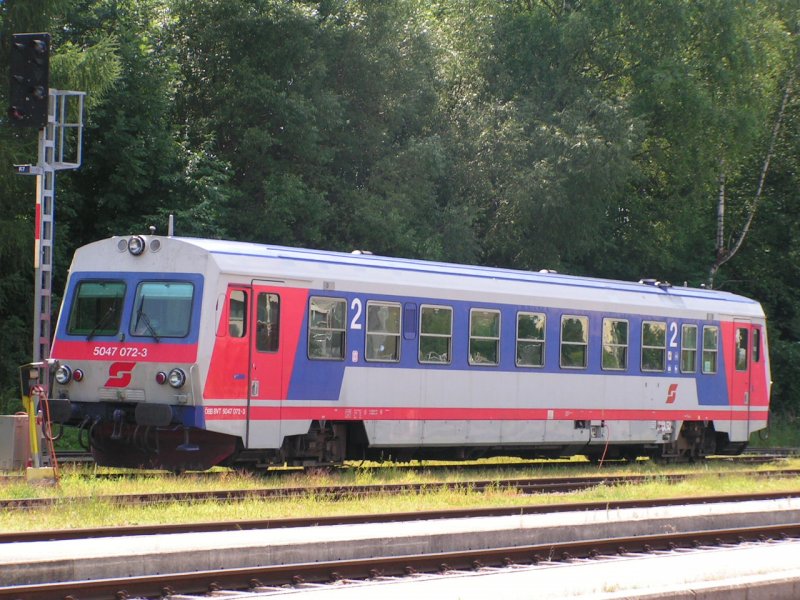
(724, 254)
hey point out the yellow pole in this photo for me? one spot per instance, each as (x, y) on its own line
(30, 407)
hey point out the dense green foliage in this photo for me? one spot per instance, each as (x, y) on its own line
(588, 136)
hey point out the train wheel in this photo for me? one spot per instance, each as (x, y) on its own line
(697, 440)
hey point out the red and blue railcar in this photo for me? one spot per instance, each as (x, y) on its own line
(184, 353)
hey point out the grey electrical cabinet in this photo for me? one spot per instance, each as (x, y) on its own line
(14, 442)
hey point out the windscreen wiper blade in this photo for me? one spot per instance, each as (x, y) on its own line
(104, 320)
(141, 315)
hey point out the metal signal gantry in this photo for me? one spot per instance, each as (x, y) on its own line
(60, 143)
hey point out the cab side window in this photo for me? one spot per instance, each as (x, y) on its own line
(237, 314)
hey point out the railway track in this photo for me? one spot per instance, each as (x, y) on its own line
(539, 485)
(753, 456)
(264, 579)
(216, 526)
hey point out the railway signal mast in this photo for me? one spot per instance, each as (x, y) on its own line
(58, 115)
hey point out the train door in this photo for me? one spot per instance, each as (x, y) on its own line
(740, 371)
(267, 345)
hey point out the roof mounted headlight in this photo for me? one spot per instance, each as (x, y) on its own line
(177, 378)
(136, 245)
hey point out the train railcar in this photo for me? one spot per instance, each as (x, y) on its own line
(184, 353)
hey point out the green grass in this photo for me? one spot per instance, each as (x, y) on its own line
(783, 432)
(94, 511)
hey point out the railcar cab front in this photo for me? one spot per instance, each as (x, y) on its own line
(126, 352)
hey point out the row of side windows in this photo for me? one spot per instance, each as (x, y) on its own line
(327, 333)
(615, 342)
(654, 346)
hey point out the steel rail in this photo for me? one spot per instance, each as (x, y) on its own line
(525, 486)
(751, 456)
(220, 526)
(253, 578)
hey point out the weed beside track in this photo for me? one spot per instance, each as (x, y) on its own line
(83, 501)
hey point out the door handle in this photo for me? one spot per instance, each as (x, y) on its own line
(254, 388)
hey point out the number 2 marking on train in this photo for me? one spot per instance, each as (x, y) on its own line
(356, 307)
(673, 340)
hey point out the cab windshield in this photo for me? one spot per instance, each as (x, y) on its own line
(96, 308)
(162, 309)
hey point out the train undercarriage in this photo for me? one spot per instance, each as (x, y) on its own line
(179, 448)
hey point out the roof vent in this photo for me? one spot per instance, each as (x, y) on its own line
(656, 283)
(367, 252)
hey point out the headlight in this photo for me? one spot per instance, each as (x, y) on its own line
(177, 378)
(63, 375)
(136, 245)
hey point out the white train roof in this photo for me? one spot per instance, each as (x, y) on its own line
(381, 275)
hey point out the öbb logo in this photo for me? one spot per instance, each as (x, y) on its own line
(120, 374)
(672, 393)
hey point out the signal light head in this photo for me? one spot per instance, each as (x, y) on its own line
(15, 114)
(29, 64)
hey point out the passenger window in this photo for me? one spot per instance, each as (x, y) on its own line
(574, 341)
(268, 307)
(688, 348)
(530, 339)
(326, 328)
(615, 344)
(435, 334)
(710, 349)
(484, 337)
(654, 346)
(742, 343)
(237, 314)
(383, 332)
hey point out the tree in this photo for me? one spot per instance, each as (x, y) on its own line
(94, 68)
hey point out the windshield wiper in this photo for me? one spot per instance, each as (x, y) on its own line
(104, 320)
(141, 315)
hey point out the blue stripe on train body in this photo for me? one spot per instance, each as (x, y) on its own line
(322, 379)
